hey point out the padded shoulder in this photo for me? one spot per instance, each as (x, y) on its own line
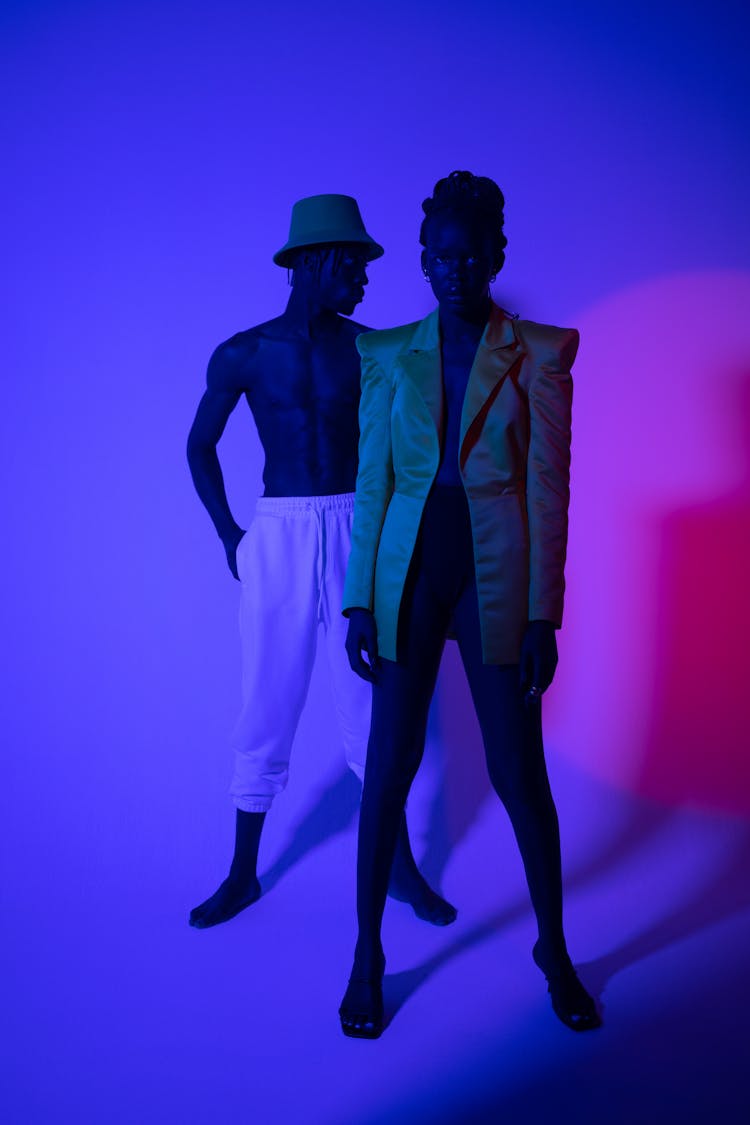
(549, 345)
(384, 344)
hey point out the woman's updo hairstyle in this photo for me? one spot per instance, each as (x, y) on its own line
(478, 196)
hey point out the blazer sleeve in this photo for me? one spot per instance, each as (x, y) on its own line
(374, 480)
(548, 473)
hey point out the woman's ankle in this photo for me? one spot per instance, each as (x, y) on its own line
(369, 960)
(551, 955)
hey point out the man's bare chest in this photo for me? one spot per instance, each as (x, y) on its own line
(307, 377)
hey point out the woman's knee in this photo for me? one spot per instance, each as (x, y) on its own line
(520, 785)
(389, 776)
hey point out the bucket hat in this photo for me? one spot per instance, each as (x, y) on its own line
(320, 219)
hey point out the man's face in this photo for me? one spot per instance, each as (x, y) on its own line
(342, 278)
(458, 259)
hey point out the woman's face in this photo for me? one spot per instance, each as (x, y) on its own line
(458, 260)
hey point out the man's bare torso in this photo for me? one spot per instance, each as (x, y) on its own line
(304, 397)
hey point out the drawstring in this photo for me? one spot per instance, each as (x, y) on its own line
(320, 565)
(317, 506)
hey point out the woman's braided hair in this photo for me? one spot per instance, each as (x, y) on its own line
(478, 196)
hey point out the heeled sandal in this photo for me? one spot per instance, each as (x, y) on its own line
(361, 1010)
(571, 1003)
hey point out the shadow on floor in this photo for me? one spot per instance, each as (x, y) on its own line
(720, 896)
(332, 813)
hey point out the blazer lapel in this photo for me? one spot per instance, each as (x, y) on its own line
(498, 351)
(420, 363)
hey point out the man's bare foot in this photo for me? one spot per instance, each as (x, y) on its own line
(426, 903)
(232, 896)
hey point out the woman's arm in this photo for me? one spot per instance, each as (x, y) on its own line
(374, 491)
(548, 475)
(547, 496)
(374, 480)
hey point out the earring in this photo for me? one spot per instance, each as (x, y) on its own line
(426, 275)
(492, 278)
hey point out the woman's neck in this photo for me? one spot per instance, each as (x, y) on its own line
(465, 323)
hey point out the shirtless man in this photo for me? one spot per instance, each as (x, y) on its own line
(300, 374)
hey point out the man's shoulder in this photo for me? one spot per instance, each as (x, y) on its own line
(241, 343)
(547, 343)
(231, 361)
(249, 339)
(384, 343)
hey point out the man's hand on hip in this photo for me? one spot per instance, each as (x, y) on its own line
(231, 543)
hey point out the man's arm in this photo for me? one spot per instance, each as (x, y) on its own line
(224, 387)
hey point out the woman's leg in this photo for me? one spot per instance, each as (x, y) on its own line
(400, 705)
(512, 736)
(353, 699)
(401, 701)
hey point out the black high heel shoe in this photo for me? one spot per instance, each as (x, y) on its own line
(571, 1002)
(361, 1010)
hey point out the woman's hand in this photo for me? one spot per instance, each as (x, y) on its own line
(362, 635)
(538, 659)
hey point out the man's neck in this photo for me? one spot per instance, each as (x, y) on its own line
(306, 316)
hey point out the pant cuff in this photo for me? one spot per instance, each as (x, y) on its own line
(252, 804)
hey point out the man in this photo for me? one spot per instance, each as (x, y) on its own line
(300, 375)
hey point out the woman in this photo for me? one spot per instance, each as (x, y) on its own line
(460, 528)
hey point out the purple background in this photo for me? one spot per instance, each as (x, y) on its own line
(152, 155)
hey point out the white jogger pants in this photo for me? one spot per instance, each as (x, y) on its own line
(292, 563)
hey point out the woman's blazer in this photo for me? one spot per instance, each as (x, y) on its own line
(514, 460)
